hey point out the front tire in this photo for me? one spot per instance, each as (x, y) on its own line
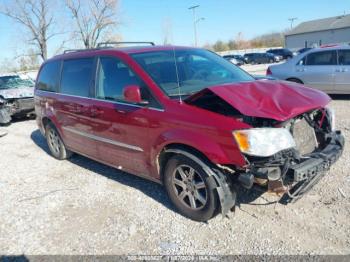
(54, 141)
(190, 188)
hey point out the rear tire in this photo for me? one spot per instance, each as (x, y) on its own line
(54, 141)
(190, 188)
(295, 80)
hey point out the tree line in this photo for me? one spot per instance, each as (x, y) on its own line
(239, 42)
(89, 22)
(86, 23)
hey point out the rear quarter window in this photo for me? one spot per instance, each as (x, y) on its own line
(77, 76)
(49, 77)
(344, 57)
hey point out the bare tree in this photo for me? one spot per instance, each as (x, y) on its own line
(241, 42)
(93, 19)
(36, 18)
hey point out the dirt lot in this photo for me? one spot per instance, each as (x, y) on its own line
(83, 207)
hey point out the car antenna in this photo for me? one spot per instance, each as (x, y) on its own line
(177, 76)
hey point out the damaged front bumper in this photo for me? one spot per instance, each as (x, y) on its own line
(290, 175)
(309, 172)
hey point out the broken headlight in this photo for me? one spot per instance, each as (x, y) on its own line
(263, 141)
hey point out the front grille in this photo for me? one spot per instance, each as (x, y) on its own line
(304, 136)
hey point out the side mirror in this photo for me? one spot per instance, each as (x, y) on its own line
(132, 94)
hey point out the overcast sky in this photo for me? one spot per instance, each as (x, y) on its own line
(144, 20)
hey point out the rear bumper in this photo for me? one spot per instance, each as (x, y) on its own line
(309, 172)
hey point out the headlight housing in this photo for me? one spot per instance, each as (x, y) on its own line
(263, 141)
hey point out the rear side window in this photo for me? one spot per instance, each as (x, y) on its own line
(49, 77)
(76, 76)
(322, 58)
(344, 57)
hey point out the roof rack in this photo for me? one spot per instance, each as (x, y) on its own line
(105, 44)
(74, 50)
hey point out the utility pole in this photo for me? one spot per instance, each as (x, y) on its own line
(195, 21)
(291, 21)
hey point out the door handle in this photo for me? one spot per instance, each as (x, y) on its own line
(344, 70)
(337, 70)
(120, 111)
(95, 111)
(79, 109)
(300, 70)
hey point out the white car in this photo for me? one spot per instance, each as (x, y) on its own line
(326, 69)
(16, 97)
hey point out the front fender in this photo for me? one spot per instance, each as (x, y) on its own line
(221, 150)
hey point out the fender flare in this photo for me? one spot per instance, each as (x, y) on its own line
(227, 196)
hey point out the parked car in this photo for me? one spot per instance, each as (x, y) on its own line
(326, 69)
(276, 58)
(235, 59)
(260, 58)
(16, 97)
(188, 119)
(285, 53)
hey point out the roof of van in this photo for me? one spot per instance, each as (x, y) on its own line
(126, 50)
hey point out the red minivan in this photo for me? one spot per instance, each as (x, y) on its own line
(186, 118)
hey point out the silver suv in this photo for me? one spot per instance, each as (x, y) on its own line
(327, 69)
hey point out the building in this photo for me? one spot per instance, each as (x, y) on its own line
(332, 30)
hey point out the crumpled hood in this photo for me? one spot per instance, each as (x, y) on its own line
(17, 93)
(278, 100)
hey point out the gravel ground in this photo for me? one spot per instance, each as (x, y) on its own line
(83, 207)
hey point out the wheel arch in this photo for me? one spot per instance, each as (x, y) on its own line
(45, 121)
(50, 120)
(295, 79)
(226, 194)
(168, 151)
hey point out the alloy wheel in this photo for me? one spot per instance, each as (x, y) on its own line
(54, 141)
(190, 187)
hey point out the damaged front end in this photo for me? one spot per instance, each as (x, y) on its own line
(293, 172)
(292, 141)
(16, 97)
(5, 112)
(15, 107)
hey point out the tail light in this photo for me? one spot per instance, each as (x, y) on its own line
(268, 71)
